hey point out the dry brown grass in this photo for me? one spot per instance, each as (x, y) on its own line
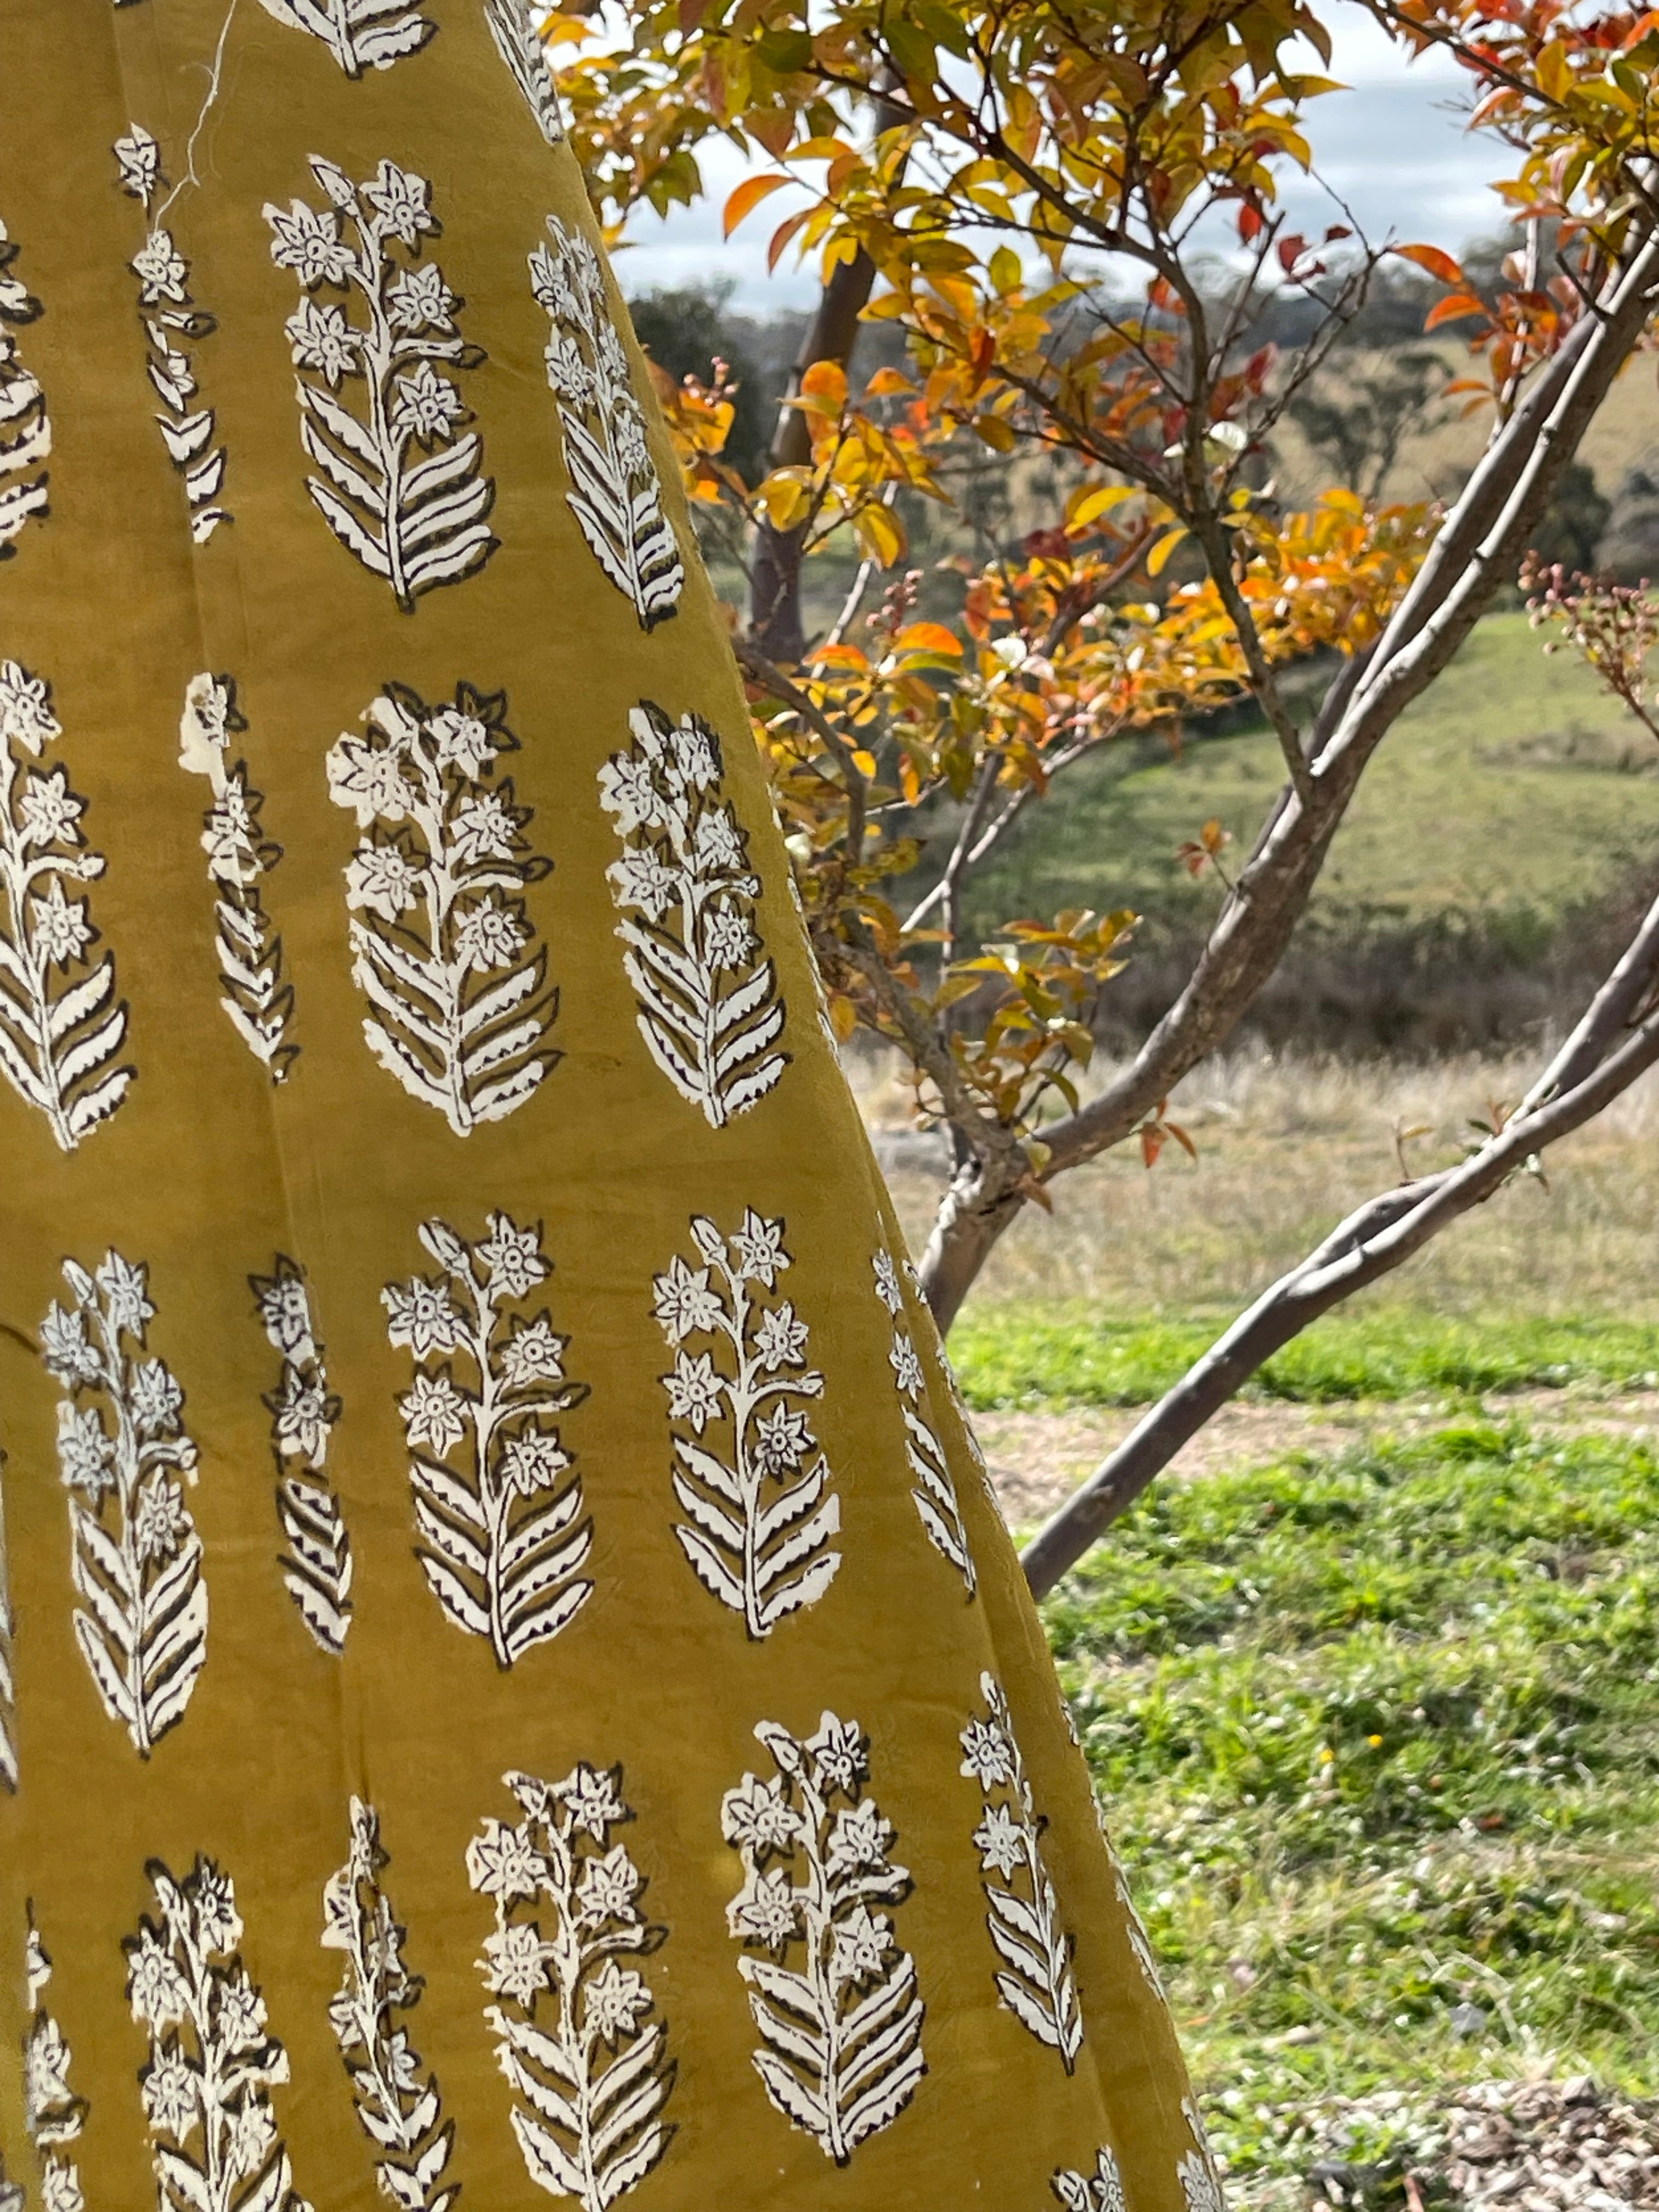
(1286, 1145)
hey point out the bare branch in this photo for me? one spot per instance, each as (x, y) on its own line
(1482, 541)
(1582, 1080)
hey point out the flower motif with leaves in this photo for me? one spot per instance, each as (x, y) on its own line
(934, 1493)
(1200, 2182)
(1100, 2191)
(615, 493)
(58, 1032)
(709, 1010)
(503, 1537)
(398, 483)
(841, 2033)
(258, 1000)
(213, 2061)
(576, 2046)
(53, 2114)
(1036, 1981)
(318, 1566)
(144, 1632)
(753, 1536)
(445, 950)
(400, 2111)
(172, 324)
(25, 424)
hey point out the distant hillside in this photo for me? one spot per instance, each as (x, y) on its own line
(1500, 839)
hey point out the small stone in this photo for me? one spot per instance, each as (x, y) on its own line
(1466, 2019)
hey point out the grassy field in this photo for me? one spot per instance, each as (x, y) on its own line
(1379, 1737)
(1515, 792)
(1376, 1723)
(1062, 1355)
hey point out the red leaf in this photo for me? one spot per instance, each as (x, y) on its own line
(1291, 251)
(1251, 222)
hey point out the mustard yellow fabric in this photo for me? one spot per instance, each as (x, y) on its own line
(511, 1681)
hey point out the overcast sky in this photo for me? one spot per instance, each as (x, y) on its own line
(1393, 146)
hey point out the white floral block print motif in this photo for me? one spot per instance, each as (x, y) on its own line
(444, 949)
(258, 999)
(755, 1528)
(137, 1559)
(1035, 1983)
(213, 2061)
(53, 2113)
(574, 2035)
(25, 426)
(708, 1006)
(841, 2052)
(513, 27)
(1200, 2183)
(399, 2112)
(1099, 2191)
(316, 1567)
(8, 1685)
(59, 1027)
(503, 1536)
(173, 322)
(935, 1491)
(399, 486)
(360, 34)
(615, 493)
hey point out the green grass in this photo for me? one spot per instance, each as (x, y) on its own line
(1060, 1355)
(1514, 791)
(1378, 1736)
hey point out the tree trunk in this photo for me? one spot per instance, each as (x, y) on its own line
(774, 611)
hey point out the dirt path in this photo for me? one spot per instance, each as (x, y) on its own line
(1037, 1459)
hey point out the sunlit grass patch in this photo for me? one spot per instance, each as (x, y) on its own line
(1379, 1736)
(1064, 1355)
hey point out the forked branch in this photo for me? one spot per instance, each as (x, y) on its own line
(1616, 1041)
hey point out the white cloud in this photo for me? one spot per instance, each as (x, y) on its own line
(1393, 147)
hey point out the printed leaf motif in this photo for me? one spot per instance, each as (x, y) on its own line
(1036, 1981)
(213, 2061)
(317, 1568)
(172, 323)
(399, 2112)
(360, 33)
(708, 1006)
(257, 1000)
(503, 1535)
(446, 951)
(25, 426)
(1100, 2191)
(513, 27)
(841, 2033)
(8, 1683)
(574, 2037)
(935, 1490)
(59, 1029)
(143, 1633)
(1134, 1927)
(399, 483)
(1200, 2183)
(755, 1528)
(615, 493)
(52, 2112)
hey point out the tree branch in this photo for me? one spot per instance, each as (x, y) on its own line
(1485, 534)
(1582, 1080)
